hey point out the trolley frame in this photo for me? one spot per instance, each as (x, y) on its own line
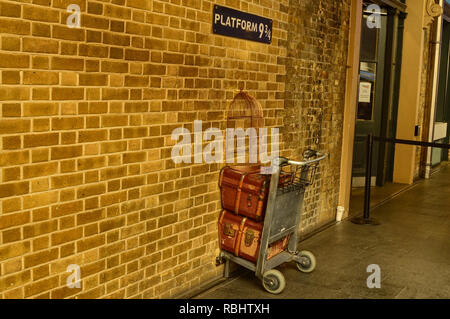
(282, 218)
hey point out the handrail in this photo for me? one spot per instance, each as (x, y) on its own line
(321, 157)
(409, 142)
(366, 220)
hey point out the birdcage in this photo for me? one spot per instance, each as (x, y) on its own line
(245, 113)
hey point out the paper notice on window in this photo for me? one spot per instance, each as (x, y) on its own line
(365, 92)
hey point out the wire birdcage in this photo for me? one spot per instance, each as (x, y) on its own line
(245, 112)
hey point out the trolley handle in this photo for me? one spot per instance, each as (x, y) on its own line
(320, 157)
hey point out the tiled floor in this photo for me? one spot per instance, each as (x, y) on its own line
(378, 196)
(411, 246)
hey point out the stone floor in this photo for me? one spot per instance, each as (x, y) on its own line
(411, 246)
(378, 196)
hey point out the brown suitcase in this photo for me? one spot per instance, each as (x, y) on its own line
(250, 240)
(244, 192)
(230, 231)
(277, 247)
(242, 237)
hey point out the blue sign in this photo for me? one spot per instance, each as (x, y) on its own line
(238, 24)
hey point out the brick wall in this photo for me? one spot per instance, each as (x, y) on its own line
(315, 88)
(86, 122)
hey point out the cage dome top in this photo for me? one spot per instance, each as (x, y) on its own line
(245, 110)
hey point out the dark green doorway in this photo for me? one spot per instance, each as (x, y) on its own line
(380, 65)
(369, 111)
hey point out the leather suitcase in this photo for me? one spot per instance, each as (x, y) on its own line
(244, 192)
(250, 240)
(277, 247)
(230, 231)
(242, 237)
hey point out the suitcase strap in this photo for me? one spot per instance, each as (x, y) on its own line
(238, 195)
(221, 176)
(261, 195)
(238, 239)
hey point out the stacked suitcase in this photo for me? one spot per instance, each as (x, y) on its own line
(244, 198)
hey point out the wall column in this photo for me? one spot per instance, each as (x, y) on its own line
(350, 105)
(420, 12)
(437, 41)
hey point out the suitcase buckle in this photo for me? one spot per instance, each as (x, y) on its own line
(249, 237)
(229, 231)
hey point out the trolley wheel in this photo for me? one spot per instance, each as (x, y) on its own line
(307, 261)
(273, 281)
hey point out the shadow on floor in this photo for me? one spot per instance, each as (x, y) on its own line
(411, 246)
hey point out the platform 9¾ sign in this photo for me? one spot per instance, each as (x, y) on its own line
(238, 24)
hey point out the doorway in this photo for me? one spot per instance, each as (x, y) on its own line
(377, 103)
(371, 90)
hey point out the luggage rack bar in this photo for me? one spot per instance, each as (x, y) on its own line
(240, 261)
(277, 260)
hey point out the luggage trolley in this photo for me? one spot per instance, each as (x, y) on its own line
(282, 219)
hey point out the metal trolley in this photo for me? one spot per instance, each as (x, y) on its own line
(282, 219)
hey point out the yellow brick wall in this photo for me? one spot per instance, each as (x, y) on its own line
(86, 119)
(314, 97)
(85, 135)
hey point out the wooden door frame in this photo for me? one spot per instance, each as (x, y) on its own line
(351, 93)
(352, 90)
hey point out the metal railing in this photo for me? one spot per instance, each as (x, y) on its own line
(366, 219)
